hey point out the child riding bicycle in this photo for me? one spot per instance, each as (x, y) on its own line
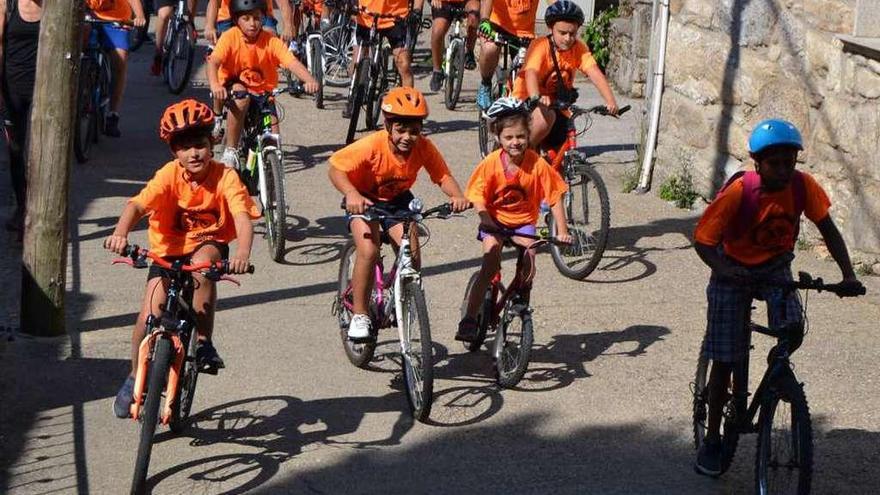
(379, 170)
(394, 30)
(196, 208)
(219, 19)
(164, 10)
(442, 14)
(506, 189)
(748, 233)
(549, 71)
(246, 58)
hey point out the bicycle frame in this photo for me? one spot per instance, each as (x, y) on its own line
(454, 38)
(261, 140)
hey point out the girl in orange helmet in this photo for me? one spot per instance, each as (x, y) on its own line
(379, 170)
(196, 208)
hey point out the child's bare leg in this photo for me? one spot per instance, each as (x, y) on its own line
(543, 119)
(491, 265)
(366, 240)
(396, 235)
(402, 61)
(154, 297)
(235, 118)
(526, 268)
(205, 294)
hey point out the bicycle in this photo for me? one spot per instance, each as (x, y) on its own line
(308, 46)
(93, 89)
(453, 60)
(511, 60)
(339, 41)
(507, 313)
(374, 73)
(586, 191)
(167, 355)
(139, 35)
(178, 49)
(397, 300)
(778, 391)
(261, 167)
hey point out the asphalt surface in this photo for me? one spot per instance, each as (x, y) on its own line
(604, 408)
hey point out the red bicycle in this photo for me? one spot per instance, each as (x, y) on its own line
(167, 355)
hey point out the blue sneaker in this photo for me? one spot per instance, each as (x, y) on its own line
(122, 404)
(484, 96)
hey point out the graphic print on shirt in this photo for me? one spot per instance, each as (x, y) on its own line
(391, 187)
(776, 231)
(509, 195)
(200, 224)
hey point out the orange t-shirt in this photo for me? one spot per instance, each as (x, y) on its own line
(773, 231)
(184, 215)
(316, 6)
(539, 59)
(515, 201)
(399, 8)
(379, 175)
(113, 10)
(223, 13)
(254, 64)
(517, 17)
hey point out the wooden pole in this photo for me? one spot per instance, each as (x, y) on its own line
(44, 255)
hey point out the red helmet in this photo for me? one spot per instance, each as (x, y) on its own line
(405, 102)
(183, 116)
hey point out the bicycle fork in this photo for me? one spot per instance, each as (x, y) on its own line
(405, 274)
(450, 47)
(145, 352)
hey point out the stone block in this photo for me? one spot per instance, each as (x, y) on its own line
(641, 31)
(749, 23)
(685, 121)
(786, 98)
(697, 12)
(835, 16)
(867, 82)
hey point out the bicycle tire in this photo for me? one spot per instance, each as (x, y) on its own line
(85, 122)
(767, 460)
(418, 365)
(483, 316)
(105, 85)
(358, 353)
(456, 74)
(356, 98)
(179, 59)
(700, 415)
(588, 243)
(149, 416)
(316, 51)
(275, 212)
(338, 42)
(186, 388)
(376, 89)
(516, 348)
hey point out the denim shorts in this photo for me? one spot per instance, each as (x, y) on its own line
(112, 37)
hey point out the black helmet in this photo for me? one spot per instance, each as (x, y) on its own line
(239, 6)
(564, 10)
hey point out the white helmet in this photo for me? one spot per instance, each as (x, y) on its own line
(505, 106)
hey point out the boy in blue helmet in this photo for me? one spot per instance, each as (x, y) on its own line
(749, 233)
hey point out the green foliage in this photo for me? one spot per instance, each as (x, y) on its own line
(803, 244)
(863, 269)
(630, 179)
(679, 188)
(596, 34)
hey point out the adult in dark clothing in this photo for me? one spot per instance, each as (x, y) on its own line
(19, 35)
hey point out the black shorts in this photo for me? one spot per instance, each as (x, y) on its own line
(158, 4)
(558, 133)
(396, 34)
(451, 11)
(157, 271)
(400, 204)
(338, 4)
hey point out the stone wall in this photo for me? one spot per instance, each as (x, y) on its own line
(732, 63)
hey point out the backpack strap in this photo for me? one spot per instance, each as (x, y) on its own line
(750, 202)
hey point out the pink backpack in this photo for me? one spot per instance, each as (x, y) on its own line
(748, 206)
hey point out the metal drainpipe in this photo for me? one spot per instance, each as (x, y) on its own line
(657, 93)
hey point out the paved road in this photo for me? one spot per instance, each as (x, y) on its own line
(604, 408)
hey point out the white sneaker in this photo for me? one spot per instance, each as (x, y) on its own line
(359, 328)
(230, 157)
(218, 131)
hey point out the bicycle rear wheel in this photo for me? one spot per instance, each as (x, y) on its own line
(275, 212)
(587, 211)
(484, 316)
(338, 44)
(356, 97)
(784, 460)
(456, 73)
(418, 362)
(358, 353)
(179, 59)
(514, 345)
(729, 431)
(316, 56)
(86, 122)
(149, 416)
(186, 389)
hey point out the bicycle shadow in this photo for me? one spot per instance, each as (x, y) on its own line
(297, 158)
(328, 236)
(433, 127)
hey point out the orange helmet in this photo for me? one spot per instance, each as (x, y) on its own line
(405, 102)
(183, 116)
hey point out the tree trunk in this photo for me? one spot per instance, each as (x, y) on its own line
(44, 256)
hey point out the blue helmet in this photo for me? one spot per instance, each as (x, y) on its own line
(774, 132)
(563, 10)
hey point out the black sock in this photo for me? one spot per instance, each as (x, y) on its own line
(487, 82)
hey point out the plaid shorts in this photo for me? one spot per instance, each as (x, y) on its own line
(729, 308)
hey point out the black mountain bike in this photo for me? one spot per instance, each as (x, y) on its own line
(511, 60)
(179, 49)
(167, 357)
(308, 47)
(784, 458)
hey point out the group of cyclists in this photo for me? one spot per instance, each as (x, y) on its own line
(197, 206)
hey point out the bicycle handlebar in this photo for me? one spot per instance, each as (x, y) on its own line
(598, 109)
(135, 256)
(806, 281)
(377, 15)
(127, 25)
(377, 213)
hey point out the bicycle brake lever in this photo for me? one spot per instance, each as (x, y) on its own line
(227, 278)
(123, 261)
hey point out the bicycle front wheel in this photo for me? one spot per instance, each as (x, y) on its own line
(514, 345)
(587, 211)
(275, 212)
(358, 353)
(186, 388)
(86, 122)
(179, 59)
(338, 44)
(418, 361)
(700, 411)
(149, 416)
(316, 55)
(456, 73)
(784, 461)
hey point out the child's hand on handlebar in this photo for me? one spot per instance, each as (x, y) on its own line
(116, 243)
(219, 92)
(239, 264)
(355, 203)
(612, 108)
(459, 204)
(311, 86)
(140, 21)
(850, 287)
